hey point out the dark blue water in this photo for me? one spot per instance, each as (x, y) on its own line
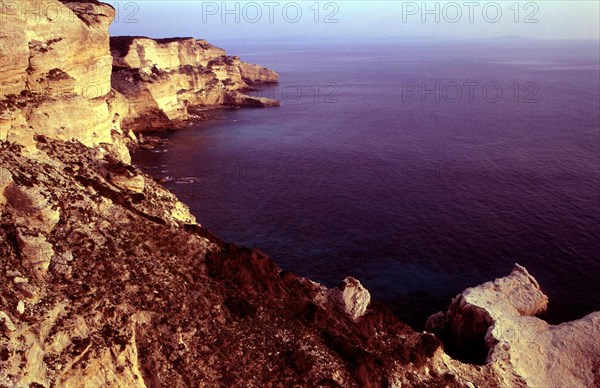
(420, 168)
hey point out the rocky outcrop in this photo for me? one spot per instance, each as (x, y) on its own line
(522, 349)
(163, 79)
(56, 49)
(108, 280)
(351, 298)
(257, 74)
(134, 293)
(55, 74)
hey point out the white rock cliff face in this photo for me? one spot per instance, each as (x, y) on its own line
(55, 74)
(523, 349)
(37, 39)
(166, 54)
(57, 80)
(162, 79)
(107, 280)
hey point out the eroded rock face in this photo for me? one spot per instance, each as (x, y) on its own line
(55, 73)
(522, 349)
(163, 78)
(257, 74)
(55, 47)
(475, 310)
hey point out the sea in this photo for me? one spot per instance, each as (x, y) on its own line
(420, 167)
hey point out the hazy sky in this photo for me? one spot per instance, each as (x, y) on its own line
(218, 20)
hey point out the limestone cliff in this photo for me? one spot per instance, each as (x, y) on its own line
(108, 280)
(500, 316)
(55, 74)
(257, 74)
(162, 79)
(57, 79)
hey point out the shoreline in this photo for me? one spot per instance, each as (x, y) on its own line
(109, 279)
(550, 316)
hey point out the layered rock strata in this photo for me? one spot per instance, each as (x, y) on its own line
(55, 75)
(163, 79)
(57, 78)
(108, 280)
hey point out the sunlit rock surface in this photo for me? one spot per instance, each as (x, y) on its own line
(351, 297)
(521, 348)
(162, 79)
(106, 279)
(55, 74)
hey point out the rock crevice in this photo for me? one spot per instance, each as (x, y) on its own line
(498, 321)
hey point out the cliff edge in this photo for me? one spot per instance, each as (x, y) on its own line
(163, 79)
(108, 280)
(499, 317)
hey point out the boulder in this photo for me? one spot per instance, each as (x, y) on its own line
(134, 184)
(351, 298)
(21, 307)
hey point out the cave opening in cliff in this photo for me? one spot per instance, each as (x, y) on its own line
(473, 352)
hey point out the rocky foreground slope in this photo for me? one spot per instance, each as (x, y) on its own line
(106, 279)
